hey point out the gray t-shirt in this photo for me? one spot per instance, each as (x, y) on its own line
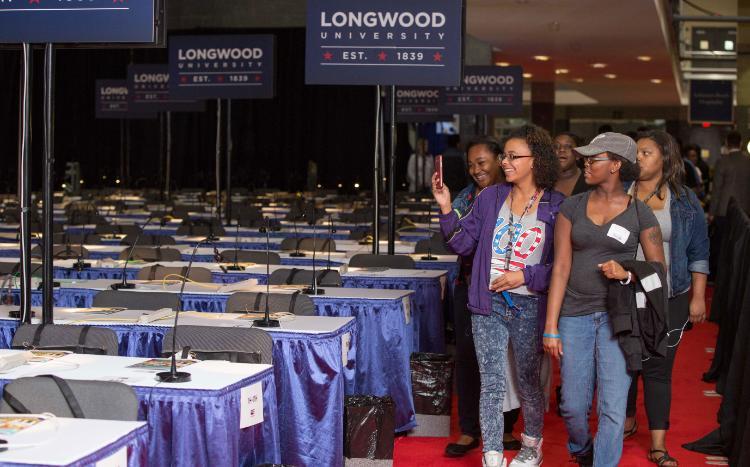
(592, 245)
(526, 248)
(664, 216)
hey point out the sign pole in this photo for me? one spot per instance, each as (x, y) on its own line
(218, 159)
(48, 181)
(162, 157)
(229, 163)
(24, 178)
(168, 163)
(392, 179)
(376, 177)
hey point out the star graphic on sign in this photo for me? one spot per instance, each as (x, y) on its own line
(220, 79)
(183, 79)
(115, 1)
(258, 77)
(327, 56)
(33, 1)
(382, 56)
(437, 57)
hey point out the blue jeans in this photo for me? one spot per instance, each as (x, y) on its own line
(491, 336)
(592, 358)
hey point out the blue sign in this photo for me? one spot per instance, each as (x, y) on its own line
(487, 90)
(113, 101)
(711, 101)
(229, 67)
(416, 43)
(418, 104)
(148, 86)
(79, 21)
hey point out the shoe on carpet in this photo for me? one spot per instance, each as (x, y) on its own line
(459, 450)
(631, 432)
(513, 445)
(585, 460)
(530, 453)
(493, 459)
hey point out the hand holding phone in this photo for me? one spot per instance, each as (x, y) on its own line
(439, 170)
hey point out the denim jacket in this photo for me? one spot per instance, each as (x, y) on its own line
(472, 233)
(688, 247)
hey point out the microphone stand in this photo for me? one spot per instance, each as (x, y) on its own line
(296, 253)
(124, 283)
(266, 321)
(429, 256)
(174, 376)
(236, 266)
(313, 289)
(331, 231)
(80, 265)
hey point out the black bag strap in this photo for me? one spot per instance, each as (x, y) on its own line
(14, 403)
(82, 338)
(152, 272)
(37, 335)
(258, 298)
(322, 275)
(185, 352)
(293, 301)
(184, 271)
(292, 275)
(65, 390)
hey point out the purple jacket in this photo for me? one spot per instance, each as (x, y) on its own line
(473, 234)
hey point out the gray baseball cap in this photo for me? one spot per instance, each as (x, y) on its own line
(616, 143)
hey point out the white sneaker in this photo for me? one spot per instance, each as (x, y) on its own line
(530, 453)
(493, 459)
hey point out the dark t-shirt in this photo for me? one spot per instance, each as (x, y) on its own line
(592, 245)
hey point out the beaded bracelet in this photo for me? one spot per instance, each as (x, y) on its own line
(551, 336)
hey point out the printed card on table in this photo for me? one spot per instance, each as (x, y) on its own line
(251, 405)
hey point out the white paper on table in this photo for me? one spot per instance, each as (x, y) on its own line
(238, 286)
(118, 459)
(407, 309)
(251, 405)
(346, 342)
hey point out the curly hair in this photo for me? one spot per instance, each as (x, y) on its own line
(629, 171)
(546, 168)
(673, 169)
(494, 146)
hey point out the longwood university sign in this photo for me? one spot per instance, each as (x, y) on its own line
(148, 86)
(413, 43)
(487, 90)
(112, 100)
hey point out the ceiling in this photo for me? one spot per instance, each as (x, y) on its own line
(577, 33)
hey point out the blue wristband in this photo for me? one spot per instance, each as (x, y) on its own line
(551, 336)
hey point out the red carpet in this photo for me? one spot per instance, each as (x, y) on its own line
(693, 415)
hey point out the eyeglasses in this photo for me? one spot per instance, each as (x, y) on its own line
(512, 156)
(588, 161)
(562, 147)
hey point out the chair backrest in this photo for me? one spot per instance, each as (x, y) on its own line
(103, 400)
(147, 253)
(251, 256)
(136, 300)
(63, 251)
(363, 260)
(293, 276)
(159, 272)
(148, 240)
(244, 345)
(7, 267)
(77, 238)
(437, 246)
(200, 230)
(128, 229)
(297, 303)
(308, 244)
(78, 339)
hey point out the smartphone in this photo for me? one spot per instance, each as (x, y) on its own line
(439, 170)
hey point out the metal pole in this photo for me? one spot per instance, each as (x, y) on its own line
(24, 178)
(229, 149)
(122, 150)
(218, 159)
(49, 179)
(168, 163)
(376, 177)
(162, 157)
(392, 179)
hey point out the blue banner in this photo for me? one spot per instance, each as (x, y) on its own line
(415, 43)
(711, 102)
(227, 67)
(89, 21)
(418, 104)
(112, 100)
(487, 90)
(148, 86)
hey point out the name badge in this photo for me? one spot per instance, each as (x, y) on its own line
(619, 233)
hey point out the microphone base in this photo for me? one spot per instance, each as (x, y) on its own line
(16, 314)
(234, 268)
(41, 285)
(81, 266)
(212, 238)
(266, 323)
(428, 258)
(311, 291)
(120, 285)
(297, 254)
(176, 377)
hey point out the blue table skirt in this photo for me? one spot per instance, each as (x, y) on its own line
(201, 428)
(386, 340)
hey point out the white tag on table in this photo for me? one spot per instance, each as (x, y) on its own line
(251, 405)
(346, 342)
(407, 309)
(640, 300)
(118, 459)
(619, 233)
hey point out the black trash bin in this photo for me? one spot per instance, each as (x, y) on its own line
(432, 388)
(369, 426)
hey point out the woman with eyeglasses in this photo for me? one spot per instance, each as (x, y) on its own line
(509, 230)
(571, 181)
(686, 248)
(595, 232)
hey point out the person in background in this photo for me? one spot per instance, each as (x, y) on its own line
(484, 168)
(596, 230)
(509, 228)
(571, 180)
(683, 226)
(692, 152)
(454, 163)
(420, 167)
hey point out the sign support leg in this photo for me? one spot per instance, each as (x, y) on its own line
(229, 149)
(376, 176)
(392, 179)
(168, 162)
(24, 179)
(218, 159)
(49, 170)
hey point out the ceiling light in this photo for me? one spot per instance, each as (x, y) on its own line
(610, 76)
(528, 75)
(541, 58)
(598, 65)
(578, 80)
(728, 45)
(502, 64)
(656, 81)
(562, 71)
(644, 58)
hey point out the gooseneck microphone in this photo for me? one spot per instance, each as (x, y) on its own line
(313, 289)
(266, 321)
(296, 253)
(429, 256)
(236, 266)
(80, 265)
(331, 231)
(174, 376)
(123, 284)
